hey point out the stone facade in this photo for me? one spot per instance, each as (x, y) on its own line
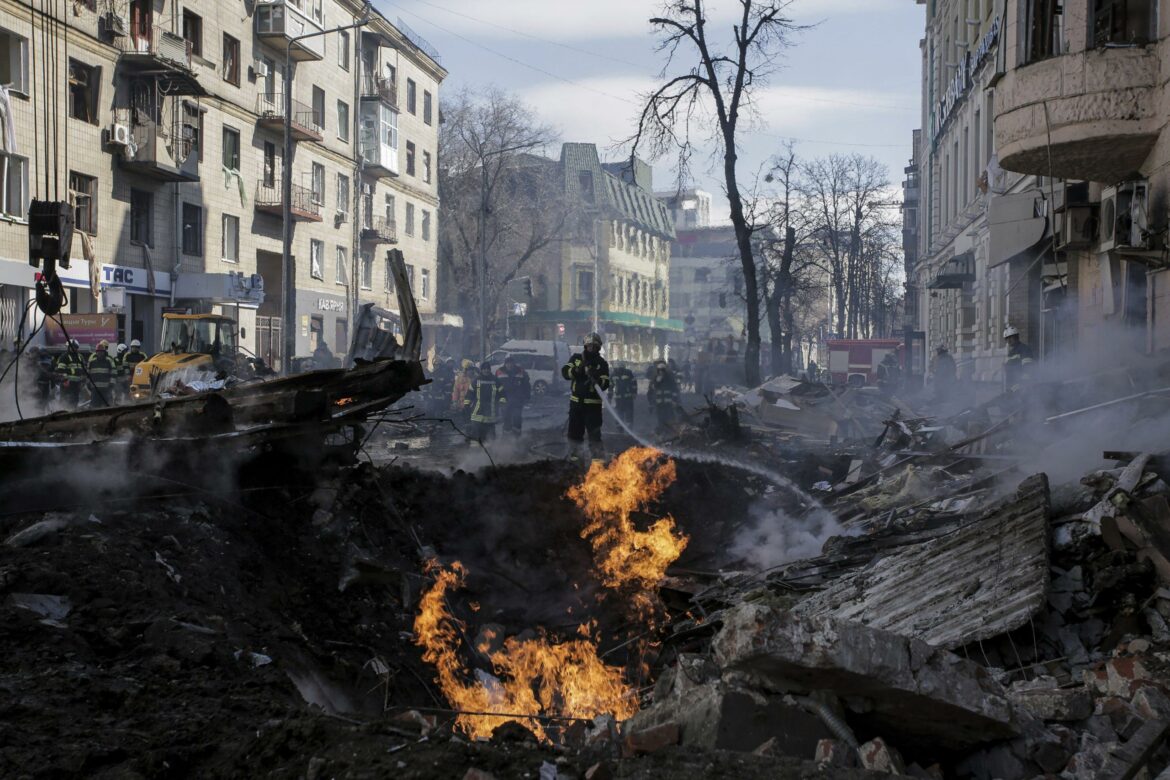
(195, 195)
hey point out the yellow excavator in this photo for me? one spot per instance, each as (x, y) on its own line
(189, 341)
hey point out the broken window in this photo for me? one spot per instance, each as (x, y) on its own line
(343, 49)
(318, 182)
(1123, 22)
(231, 60)
(141, 231)
(269, 164)
(339, 272)
(427, 167)
(343, 121)
(1044, 29)
(424, 291)
(84, 86)
(14, 61)
(410, 157)
(231, 149)
(411, 96)
(83, 190)
(230, 245)
(192, 230)
(15, 190)
(343, 194)
(192, 131)
(426, 225)
(193, 32)
(317, 259)
(367, 271)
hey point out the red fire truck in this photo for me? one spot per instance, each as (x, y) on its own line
(855, 361)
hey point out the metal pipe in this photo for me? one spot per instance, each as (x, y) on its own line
(1107, 404)
(287, 288)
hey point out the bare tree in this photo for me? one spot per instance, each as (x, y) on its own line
(502, 204)
(705, 77)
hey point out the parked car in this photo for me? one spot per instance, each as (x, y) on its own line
(541, 359)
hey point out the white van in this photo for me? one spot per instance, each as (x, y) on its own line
(541, 359)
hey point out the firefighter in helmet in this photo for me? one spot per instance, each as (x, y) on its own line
(588, 374)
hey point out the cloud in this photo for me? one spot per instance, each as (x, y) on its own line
(561, 21)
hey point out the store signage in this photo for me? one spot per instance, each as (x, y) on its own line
(961, 82)
(88, 329)
(329, 304)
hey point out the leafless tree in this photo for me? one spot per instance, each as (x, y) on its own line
(705, 78)
(491, 178)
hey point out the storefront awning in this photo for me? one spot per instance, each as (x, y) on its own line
(956, 272)
(1017, 223)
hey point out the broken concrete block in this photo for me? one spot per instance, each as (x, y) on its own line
(720, 716)
(1089, 762)
(1125, 761)
(1151, 703)
(650, 740)
(906, 688)
(877, 756)
(1120, 676)
(1123, 716)
(834, 754)
(1059, 704)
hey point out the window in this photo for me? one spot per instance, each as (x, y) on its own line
(316, 258)
(426, 166)
(230, 244)
(14, 61)
(585, 179)
(584, 286)
(231, 60)
(340, 335)
(342, 261)
(316, 331)
(343, 120)
(425, 289)
(84, 87)
(318, 184)
(367, 271)
(410, 276)
(231, 149)
(193, 32)
(84, 191)
(269, 164)
(342, 194)
(192, 229)
(426, 225)
(427, 107)
(388, 281)
(410, 157)
(409, 227)
(141, 225)
(411, 90)
(192, 131)
(319, 107)
(1043, 29)
(343, 49)
(15, 190)
(1123, 22)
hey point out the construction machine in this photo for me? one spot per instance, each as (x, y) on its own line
(190, 342)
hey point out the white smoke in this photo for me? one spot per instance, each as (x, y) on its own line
(773, 537)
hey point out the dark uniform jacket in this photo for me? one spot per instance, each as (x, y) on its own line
(517, 387)
(663, 390)
(70, 364)
(625, 385)
(484, 399)
(587, 375)
(102, 370)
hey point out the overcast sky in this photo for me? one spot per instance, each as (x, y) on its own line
(850, 83)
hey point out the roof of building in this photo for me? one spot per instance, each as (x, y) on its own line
(622, 199)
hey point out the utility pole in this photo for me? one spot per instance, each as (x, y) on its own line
(287, 288)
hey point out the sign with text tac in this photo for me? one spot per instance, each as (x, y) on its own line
(88, 329)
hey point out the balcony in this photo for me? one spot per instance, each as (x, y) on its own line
(305, 124)
(278, 22)
(379, 231)
(378, 140)
(1102, 113)
(302, 206)
(156, 149)
(380, 88)
(153, 51)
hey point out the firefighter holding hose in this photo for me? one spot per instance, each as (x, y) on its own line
(588, 374)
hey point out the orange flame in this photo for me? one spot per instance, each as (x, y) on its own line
(532, 676)
(625, 557)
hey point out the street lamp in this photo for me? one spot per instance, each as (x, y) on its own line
(287, 289)
(483, 207)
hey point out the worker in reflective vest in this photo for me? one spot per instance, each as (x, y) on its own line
(588, 372)
(102, 370)
(484, 400)
(69, 371)
(1019, 360)
(663, 397)
(623, 391)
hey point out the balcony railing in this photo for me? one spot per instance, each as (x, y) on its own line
(162, 53)
(379, 230)
(306, 125)
(302, 206)
(379, 88)
(164, 151)
(280, 21)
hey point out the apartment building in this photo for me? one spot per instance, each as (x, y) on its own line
(162, 122)
(1084, 98)
(615, 266)
(690, 209)
(980, 261)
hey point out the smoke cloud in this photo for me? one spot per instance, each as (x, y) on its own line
(774, 537)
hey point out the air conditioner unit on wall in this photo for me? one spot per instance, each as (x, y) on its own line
(119, 135)
(116, 24)
(1124, 222)
(1078, 225)
(260, 69)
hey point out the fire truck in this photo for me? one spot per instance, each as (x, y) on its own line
(855, 361)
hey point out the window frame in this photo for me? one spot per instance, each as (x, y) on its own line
(426, 160)
(138, 199)
(411, 151)
(6, 194)
(224, 221)
(408, 227)
(20, 58)
(197, 236)
(343, 49)
(234, 134)
(412, 97)
(367, 270)
(342, 194)
(340, 259)
(317, 180)
(317, 259)
(91, 207)
(425, 224)
(231, 76)
(428, 107)
(92, 91)
(424, 290)
(343, 121)
(318, 115)
(195, 42)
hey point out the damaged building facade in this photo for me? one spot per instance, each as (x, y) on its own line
(166, 134)
(615, 266)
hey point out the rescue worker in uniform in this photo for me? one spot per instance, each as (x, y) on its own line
(944, 373)
(889, 374)
(443, 377)
(588, 373)
(623, 391)
(38, 366)
(517, 389)
(484, 400)
(663, 397)
(1019, 360)
(69, 372)
(122, 376)
(103, 372)
(461, 386)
